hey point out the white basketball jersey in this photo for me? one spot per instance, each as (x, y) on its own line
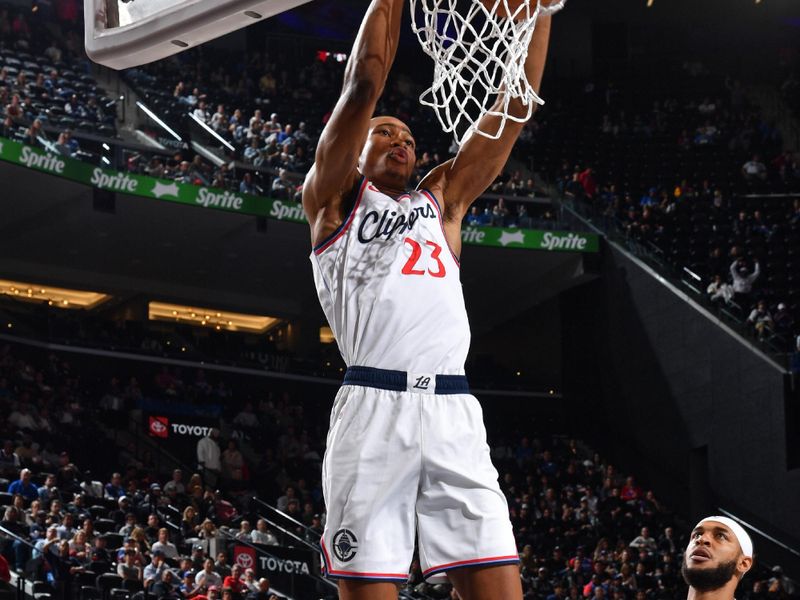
(390, 288)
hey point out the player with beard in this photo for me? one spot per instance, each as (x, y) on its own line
(718, 555)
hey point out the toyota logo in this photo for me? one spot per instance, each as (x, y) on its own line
(245, 561)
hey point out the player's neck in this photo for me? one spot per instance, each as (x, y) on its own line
(390, 191)
(723, 593)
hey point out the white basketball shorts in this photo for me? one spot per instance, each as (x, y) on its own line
(401, 464)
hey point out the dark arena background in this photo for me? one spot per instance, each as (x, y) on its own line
(632, 282)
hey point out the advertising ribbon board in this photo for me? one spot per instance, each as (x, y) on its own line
(281, 210)
(288, 569)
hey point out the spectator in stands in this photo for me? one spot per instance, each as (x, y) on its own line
(760, 320)
(9, 461)
(221, 565)
(209, 457)
(166, 586)
(130, 524)
(114, 489)
(783, 321)
(22, 418)
(190, 523)
(630, 491)
(208, 576)
(187, 587)
(246, 418)
(253, 151)
(63, 567)
(262, 535)
(66, 531)
(234, 582)
(743, 280)
(198, 557)
(62, 146)
(282, 186)
(24, 486)
(99, 557)
(250, 582)
(219, 120)
(719, 291)
(200, 113)
(264, 592)
(140, 540)
(273, 125)
(644, 541)
(246, 186)
(754, 169)
(175, 485)
(233, 464)
(153, 571)
(51, 535)
(128, 569)
(255, 125)
(70, 140)
(163, 545)
(245, 531)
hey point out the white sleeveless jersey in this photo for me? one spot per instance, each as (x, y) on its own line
(390, 288)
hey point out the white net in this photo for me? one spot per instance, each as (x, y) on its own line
(478, 51)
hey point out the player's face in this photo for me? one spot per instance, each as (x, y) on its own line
(713, 556)
(389, 154)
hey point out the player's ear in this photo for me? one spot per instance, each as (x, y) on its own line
(743, 565)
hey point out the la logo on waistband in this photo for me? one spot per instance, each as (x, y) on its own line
(423, 383)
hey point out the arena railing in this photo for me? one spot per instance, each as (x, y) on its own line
(20, 580)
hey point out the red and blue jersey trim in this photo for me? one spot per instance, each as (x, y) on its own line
(438, 208)
(340, 231)
(475, 562)
(336, 574)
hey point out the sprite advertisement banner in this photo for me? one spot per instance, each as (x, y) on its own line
(246, 204)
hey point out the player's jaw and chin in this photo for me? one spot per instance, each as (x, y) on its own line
(706, 572)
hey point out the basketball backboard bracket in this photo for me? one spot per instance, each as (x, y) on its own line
(127, 33)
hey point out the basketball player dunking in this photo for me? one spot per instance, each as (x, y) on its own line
(406, 451)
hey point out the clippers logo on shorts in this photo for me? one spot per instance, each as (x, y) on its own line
(159, 427)
(345, 545)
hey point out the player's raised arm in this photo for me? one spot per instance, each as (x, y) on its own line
(459, 181)
(334, 173)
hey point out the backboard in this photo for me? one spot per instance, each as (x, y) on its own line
(127, 33)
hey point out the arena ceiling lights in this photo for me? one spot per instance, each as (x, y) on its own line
(211, 318)
(54, 296)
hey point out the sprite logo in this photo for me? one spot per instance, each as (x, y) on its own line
(287, 211)
(119, 182)
(556, 241)
(46, 162)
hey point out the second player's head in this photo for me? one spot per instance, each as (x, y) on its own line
(389, 153)
(718, 555)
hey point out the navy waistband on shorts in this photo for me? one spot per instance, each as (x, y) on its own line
(401, 381)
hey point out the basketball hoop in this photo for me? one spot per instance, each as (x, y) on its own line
(477, 54)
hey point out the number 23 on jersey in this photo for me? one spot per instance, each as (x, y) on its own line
(435, 250)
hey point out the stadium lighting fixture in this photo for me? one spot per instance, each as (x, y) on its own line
(211, 318)
(54, 296)
(217, 136)
(155, 118)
